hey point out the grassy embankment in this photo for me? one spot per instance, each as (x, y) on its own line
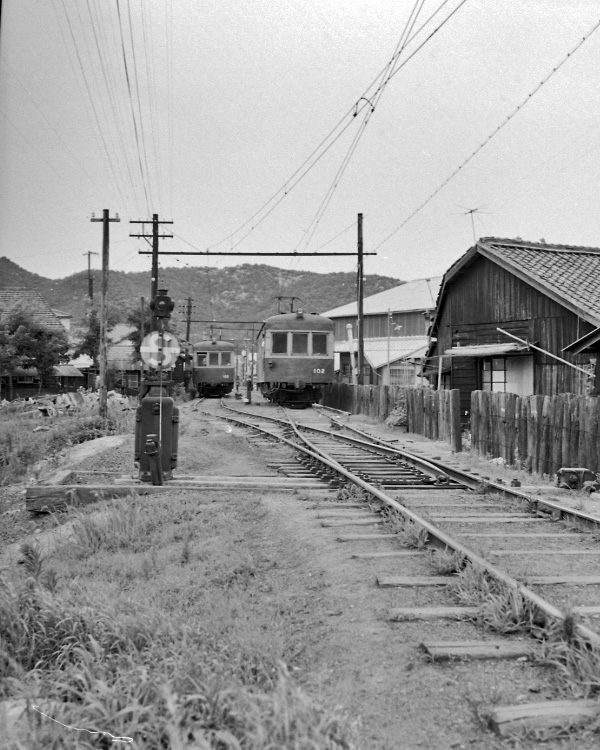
(163, 621)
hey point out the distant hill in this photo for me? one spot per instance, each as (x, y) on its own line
(245, 292)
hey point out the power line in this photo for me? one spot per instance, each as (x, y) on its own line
(332, 137)
(517, 109)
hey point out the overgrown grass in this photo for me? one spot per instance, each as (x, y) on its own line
(22, 446)
(501, 608)
(185, 634)
(409, 533)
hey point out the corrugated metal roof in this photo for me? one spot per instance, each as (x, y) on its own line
(420, 294)
(67, 371)
(376, 349)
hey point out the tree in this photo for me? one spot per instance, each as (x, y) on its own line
(90, 343)
(24, 342)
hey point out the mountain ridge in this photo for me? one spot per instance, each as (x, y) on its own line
(244, 292)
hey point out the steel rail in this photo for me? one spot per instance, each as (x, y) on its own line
(443, 540)
(440, 474)
(465, 478)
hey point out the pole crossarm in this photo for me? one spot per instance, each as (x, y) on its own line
(223, 252)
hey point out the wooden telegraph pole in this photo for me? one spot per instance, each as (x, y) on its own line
(359, 290)
(90, 279)
(155, 236)
(102, 356)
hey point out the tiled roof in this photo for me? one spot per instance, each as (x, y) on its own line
(565, 272)
(419, 294)
(33, 303)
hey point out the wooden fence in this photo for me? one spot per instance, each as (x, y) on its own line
(433, 414)
(538, 433)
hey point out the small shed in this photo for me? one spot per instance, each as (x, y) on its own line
(506, 313)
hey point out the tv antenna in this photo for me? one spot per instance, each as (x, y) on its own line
(470, 212)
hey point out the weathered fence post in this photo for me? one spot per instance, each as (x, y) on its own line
(455, 432)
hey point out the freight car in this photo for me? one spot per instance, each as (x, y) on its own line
(213, 368)
(295, 358)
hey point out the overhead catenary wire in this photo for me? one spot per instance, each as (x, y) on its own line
(503, 124)
(373, 102)
(135, 127)
(336, 132)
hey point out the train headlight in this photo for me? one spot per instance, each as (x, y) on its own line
(271, 364)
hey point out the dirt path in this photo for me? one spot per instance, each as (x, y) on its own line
(353, 656)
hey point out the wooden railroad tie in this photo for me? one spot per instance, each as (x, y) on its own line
(507, 720)
(448, 650)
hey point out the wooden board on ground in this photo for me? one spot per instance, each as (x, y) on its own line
(364, 537)
(387, 553)
(50, 499)
(350, 522)
(506, 720)
(537, 552)
(574, 580)
(432, 613)
(399, 581)
(446, 650)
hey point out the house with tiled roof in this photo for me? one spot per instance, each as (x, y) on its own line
(32, 302)
(396, 325)
(507, 314)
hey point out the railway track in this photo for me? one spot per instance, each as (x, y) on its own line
(540, 557)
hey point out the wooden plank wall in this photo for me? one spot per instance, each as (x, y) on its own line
(433, 414)
(540, 434)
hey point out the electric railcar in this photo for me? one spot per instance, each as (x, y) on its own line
(295, 358)
(213, 368)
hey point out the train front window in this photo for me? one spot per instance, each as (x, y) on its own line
(213, 359)
(225, 359)
(299, 343)
(319, 343)
(201, 359)
(279, 345)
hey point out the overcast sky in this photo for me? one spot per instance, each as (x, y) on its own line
(207, 112)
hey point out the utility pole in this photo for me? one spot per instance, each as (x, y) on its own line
(155, 236)
(102, 356)
(359, 289)
(90, 279)
(188, 321)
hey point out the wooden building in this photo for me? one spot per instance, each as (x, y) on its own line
(396, 328)
(543, 297)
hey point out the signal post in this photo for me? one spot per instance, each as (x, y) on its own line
(157, 417)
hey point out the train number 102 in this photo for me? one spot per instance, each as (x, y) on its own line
(319, 371)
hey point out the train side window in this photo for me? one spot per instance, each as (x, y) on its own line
(225, 359)
(319, 343)
(299, 343)
(279, 345)
(213, 359)
(201, 359)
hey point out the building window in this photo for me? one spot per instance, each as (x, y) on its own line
(403, 375)
(132, 379)
(494, 374)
